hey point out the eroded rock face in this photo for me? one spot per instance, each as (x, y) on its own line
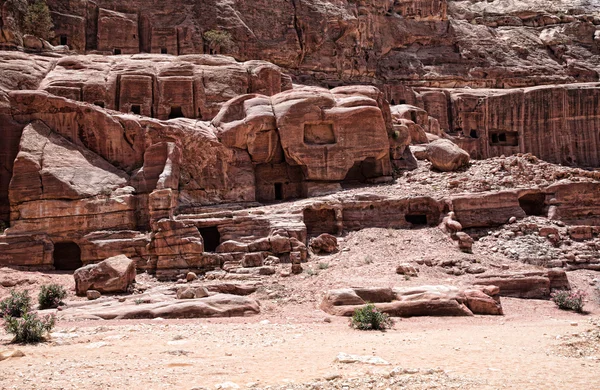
(328, 41)
(193, 86)
(312, 133)
(415, 301)
(112, 275)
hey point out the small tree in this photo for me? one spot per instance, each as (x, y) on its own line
(38, 21)
(218, 40)
(18, 9)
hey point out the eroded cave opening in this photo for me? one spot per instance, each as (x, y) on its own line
(67, 256)
(533, 204)
(416, 219)
(136, 109)
(211, 237)
(320, 221)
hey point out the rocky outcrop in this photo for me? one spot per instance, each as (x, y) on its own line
(112, 275)
(415, 301)
(300, 138)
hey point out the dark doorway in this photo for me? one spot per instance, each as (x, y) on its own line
(402, 101)
(163, 51)
(63, 40)
(416, 219)
(533, 204)
(99, 104)
(67, 256)
(393, 102)
(278, 191)
(116, 51)
(211, 237)
(136, 109)
(176, 112)
(473, 134)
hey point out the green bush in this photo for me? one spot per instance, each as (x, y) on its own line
(51, 295)
(16, 305)
(569, 300)
(29, 328)
(37, 20)
(369, 318)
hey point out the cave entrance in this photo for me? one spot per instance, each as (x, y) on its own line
(211, 237)
(136, 109)
(278, 191)
(67, 256)
(416, 219)
(116, 51)
(320, 221)
(176, 112)
(163, 51)
(99, 104)
(63, 40)
(533, 204)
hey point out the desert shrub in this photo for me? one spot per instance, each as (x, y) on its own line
(29, 328)
(218, 40)
(569, 300)
(51, 295)
(16, 305)
(369, 318)
(311, 272)
(323, 265)
(37, 20)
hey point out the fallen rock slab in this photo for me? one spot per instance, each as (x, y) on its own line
(220, 305)
(532, 285)
(415, 301)
(112, 275)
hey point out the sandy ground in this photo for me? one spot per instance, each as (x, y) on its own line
(290, 346)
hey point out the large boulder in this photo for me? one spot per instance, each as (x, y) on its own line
(325, 243)
(446, 156)
(112, 275)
